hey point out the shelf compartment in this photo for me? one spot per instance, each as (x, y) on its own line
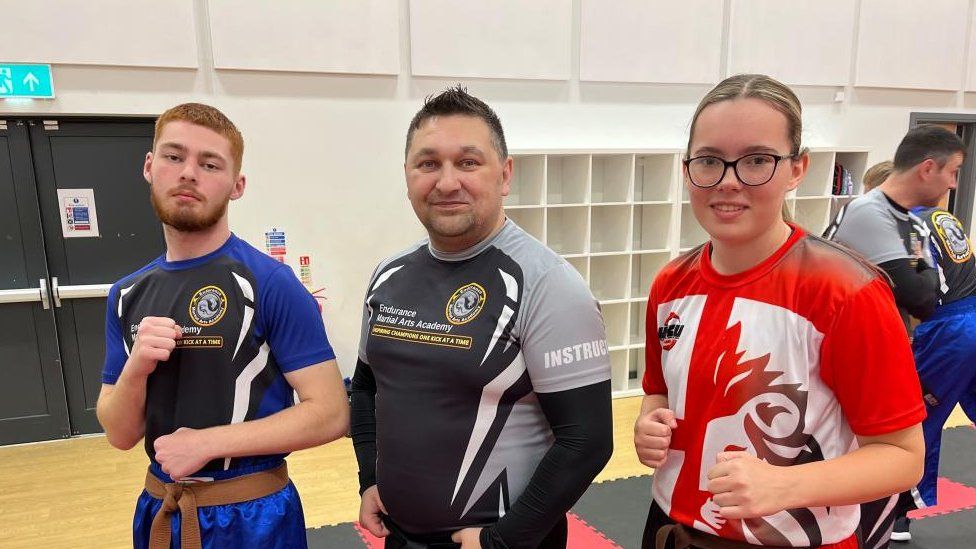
(692, 234)
(608, 276)
(652, 227)
(643, 269)
(567, 179)
(566, 229)
(532, 220)
(610, 178)
(856, 163)
(608, 228)
(619, 366)
(812, 214)
(528, 181)
(638, 322)
(582, 265)
(654, 177)
(615, 318)
(635, 369)
(819, 176)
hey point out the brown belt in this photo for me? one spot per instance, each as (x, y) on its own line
(685, 538)
(187, 496)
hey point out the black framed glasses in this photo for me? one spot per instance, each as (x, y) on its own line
(752, 169)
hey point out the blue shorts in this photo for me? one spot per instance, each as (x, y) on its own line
(274, 521)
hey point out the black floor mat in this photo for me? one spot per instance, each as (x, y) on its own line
(618, 508)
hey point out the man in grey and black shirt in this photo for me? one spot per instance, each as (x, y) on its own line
(481, 398)
(881, 226)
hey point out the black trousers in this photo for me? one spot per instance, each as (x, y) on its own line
(657, 519)
(398, 539)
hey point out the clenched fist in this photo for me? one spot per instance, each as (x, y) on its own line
(652, 436)
(155, 340)
(744, 486)
(183, 452)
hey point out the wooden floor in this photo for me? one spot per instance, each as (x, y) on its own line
(81, 492)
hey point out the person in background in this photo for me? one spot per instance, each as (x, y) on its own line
(877, 174)
(879, 226)
(945, 347)
(882, 227)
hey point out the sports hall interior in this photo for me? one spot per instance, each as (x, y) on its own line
(595, 97)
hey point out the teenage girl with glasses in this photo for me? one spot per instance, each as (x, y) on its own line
(772, 407)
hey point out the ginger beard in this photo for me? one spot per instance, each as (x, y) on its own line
(187, 216)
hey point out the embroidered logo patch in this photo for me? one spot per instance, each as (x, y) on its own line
(208, 306)
(952, 235)
(465, 303)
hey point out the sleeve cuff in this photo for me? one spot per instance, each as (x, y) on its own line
(365, 484)
(491, 539)
(302, 361)
(904, 421)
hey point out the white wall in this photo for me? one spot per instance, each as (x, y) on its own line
(324, 151)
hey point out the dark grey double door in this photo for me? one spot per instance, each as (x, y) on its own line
(52, 288)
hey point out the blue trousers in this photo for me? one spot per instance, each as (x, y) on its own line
(945, 356)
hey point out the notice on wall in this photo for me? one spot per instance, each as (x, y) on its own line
(79, 218)
(275, 243)
(305, 270)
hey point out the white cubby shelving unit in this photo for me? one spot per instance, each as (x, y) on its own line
(618, 216)
(812, 204)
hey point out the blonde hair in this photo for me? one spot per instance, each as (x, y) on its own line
(764, 88)
(210, 118)
(877, 174)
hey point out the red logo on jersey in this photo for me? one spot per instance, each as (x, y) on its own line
(670, 332)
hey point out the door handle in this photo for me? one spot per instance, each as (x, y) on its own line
(27, 295)
(77, 291)
(45, 300)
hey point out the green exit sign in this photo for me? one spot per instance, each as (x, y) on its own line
(18, 80)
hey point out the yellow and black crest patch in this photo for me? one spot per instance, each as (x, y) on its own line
(208, 306)
(953, 236)
(465, 303)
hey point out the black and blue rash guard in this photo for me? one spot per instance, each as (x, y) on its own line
(246, 321)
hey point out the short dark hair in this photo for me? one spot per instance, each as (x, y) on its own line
(925, 142)
(456, 101)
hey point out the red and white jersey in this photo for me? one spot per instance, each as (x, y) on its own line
(787, 361)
